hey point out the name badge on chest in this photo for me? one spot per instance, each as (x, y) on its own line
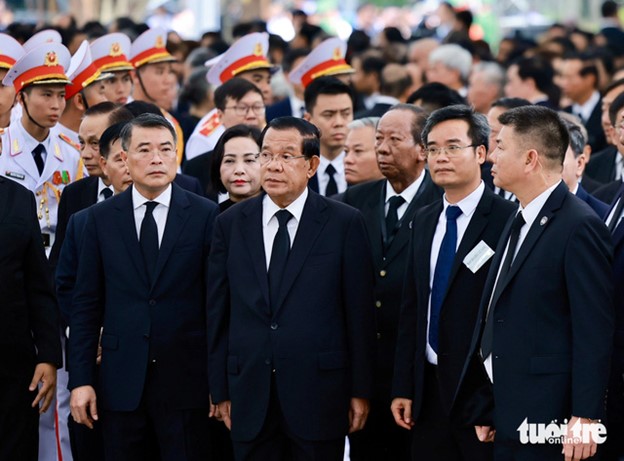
(478, 256)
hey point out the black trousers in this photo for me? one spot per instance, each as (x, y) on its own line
(156, 430)
(277, 443)
(19, 422)
(436, 437)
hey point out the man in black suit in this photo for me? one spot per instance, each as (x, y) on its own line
(395, 82)
(574, 164)
(608, 192)
(290, 318)
(388, 206)
(141, 279)
(547, 339)
(329, 106)
(579, 83)
(293, 104)
(453, 241)
(29, 328)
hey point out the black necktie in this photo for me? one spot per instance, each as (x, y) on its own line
(488, 331)
(107, 193)
(279, 254)
(149, 239)
(501, 192)
(444, 263)
(37, 151)
(332, 187)
(619, 206)
(392, 218)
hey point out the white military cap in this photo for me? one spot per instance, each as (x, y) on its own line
(328, 58)
(44, 64)
(150, 48)
(110, 52)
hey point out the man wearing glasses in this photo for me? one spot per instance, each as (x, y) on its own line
(238, 102)
(290, 317)
(453, 241)
(141, 279)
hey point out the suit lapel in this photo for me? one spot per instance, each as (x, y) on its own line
(428, 224)
(543, 219)
(176, 219)
(255, 244)
(373, 212)
(312, 222)
(128, 234)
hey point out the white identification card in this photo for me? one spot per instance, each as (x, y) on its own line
(479, 255)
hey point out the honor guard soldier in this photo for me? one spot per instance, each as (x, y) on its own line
(154, 78)
(86, 90)
(246, 58)
(328, 58)
(110, 55)
(35, 155)
(10, 52)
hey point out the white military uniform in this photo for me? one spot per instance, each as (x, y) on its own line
(205, 135)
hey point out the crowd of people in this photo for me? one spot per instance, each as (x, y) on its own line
(406, 249)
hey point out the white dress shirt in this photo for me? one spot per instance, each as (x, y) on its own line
(101, 187)
(612, 216)
(467, 205)
(30, 143)
(586, 109)
(297, 106)
(160, 211)
(408, 195)
(530, 214)
(619, 165)
(339, 175)
(270, 223)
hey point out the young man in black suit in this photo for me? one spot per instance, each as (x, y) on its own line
(290, 311)
(548, 334)
(141, 287)
(29, 328)
(452, 244)
(401, 159)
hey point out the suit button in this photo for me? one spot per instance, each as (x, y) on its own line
(382, 273)
(274, 326)
(152, 302)
(378, 335)
(267, 361)
(377, 303)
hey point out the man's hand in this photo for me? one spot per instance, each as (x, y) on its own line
(45, 373)
(358, 414)
(485, 433)
(224, 409)
(573, 447)
(402, 412)
(82, 405)
(214, 410)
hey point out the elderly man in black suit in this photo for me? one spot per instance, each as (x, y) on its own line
(388, 206)
(452, 244)
(548, 334)
(29, 326)
(290, 315)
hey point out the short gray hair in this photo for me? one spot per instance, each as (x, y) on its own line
(493, 73)
(454, 57)
(363, 123)
(146, 120)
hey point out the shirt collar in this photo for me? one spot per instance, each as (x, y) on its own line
(163, 199)
(338, 163)
(269, 208)
(409, 193)
(102, 186)
(469, 203)
(530, 212)
(29, 142)
(587, 108)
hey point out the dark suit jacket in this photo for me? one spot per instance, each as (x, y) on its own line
(318, 335)
(595, 134)
(376, 111)
(29, 327)
(608, 192)
(601, 166)
(200, 167)
(598, 206)
(389, 263)
(163, 320)
(279, 109)
(589, 184)
(83, 193)
(460, 309)
(552, 341)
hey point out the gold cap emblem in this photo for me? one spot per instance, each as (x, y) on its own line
(337, 56)
(51, 59)
(160, 43)
(115, 50)
(258, 49)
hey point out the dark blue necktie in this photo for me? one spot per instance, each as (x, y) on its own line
(37, 155)
(442, 272)
(149, 239)
(279, 254)
(617, 213)
(332, 186)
